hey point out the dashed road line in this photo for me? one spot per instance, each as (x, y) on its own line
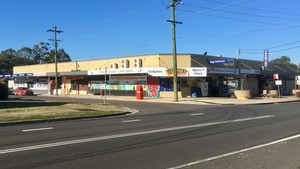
(131, 121)
(38, 129)
(92, 139)
(197, 114)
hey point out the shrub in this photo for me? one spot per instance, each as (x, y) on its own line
(3, 92)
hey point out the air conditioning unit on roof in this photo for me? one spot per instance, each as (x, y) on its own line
(138, 63)
(114, 66)
(125, 63)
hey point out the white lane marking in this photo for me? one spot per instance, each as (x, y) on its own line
(41, 146)
(235, 152)
(38, 129)
(131, 121)
(196, 114)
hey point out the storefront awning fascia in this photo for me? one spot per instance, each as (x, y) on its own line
(156, 72)
(73, 73)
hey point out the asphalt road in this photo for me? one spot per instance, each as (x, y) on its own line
(161, 136)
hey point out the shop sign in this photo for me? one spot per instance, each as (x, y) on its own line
(197, 72)
(229, 62)
(40, 74)
(213, 70)
(157, 71)
(266, 58)
(278, 82)
(298, 82)
(298, 77)
(275, 76)
(17, 75)
(249, 71)
(117, 71)
(182, 72)
(218, 61)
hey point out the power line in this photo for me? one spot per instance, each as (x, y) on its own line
(241, 13)
(223, 17)
(273, 51)
(278, 46)
(256, 9)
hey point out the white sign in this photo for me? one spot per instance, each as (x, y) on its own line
(298, 77)
(197, 72)
(298, 82)
(39, 74)
(117, 71)
(157, 72)
(278, 82)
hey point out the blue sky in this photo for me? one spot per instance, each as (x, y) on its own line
(96, 29)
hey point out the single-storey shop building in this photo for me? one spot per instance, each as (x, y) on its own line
(198, 75)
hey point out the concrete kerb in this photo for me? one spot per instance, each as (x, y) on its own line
(133, 111)
(199, 100)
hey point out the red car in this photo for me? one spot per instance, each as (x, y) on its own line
(23, 91)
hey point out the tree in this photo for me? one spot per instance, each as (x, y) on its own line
(41, 53)
(62, 56)
(7, 59)
(282, 60)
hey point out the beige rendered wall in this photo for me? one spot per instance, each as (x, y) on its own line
(147, 61)
(183, 60)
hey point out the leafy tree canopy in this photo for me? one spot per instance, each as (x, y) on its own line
(282, 59)
(38, 54)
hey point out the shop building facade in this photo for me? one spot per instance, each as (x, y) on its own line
(198, 75)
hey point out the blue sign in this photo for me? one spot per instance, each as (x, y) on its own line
(218, 61)
(17, 75)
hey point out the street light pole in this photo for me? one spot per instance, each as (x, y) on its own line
(173, 22)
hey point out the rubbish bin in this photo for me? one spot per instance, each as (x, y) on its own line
(139, 92)
(297, 94)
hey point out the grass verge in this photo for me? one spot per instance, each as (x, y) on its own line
(28, 112)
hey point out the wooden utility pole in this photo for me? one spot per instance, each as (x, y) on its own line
(55, 31)
(173, 22)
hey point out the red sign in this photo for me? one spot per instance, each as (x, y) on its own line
(275, 76)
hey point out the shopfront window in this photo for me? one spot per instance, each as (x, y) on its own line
(166, 84)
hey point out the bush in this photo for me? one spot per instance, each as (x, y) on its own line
(3, 92)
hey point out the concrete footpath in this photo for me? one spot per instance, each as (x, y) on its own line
(190, 100)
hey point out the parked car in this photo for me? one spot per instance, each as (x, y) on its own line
(23, 91)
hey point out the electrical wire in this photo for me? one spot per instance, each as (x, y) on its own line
(256, 9)
(273, 51)
(228, 18)
(241, 13)
(273, 46)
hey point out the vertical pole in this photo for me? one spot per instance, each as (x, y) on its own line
(173, 23)
(55, 60)
(55, 31)
(105, 85)
(278, 91)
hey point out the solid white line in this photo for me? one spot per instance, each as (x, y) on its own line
(38, 129)
(41, 146)
(131, 121)
(196, 114)
(235, 152)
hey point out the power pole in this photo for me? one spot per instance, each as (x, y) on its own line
(173, 22)
(55, 31)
